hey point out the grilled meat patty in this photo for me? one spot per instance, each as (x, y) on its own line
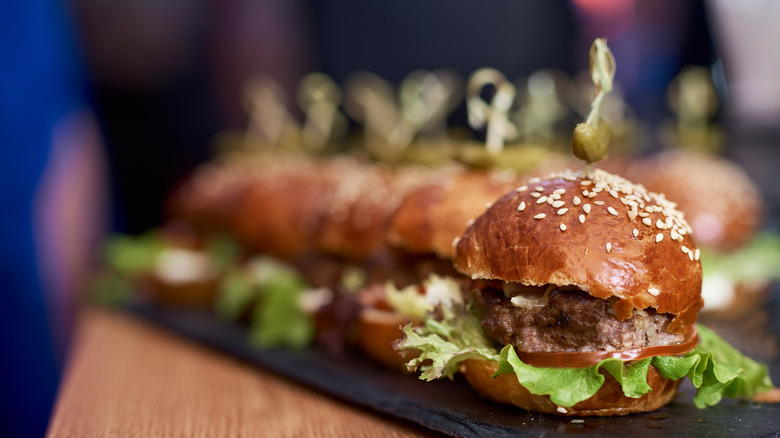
(568, 321)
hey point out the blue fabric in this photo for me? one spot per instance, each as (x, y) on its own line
(40, 82)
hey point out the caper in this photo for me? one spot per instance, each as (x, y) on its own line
(589, 143)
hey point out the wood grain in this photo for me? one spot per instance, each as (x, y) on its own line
(126, 378)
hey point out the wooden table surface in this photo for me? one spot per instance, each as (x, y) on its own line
(128, 378)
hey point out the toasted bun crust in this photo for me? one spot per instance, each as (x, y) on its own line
(429, 219)
(597, 251)
(192, 294)
(361, 205)
(278, 214)
(608, 400)
(209, 199)
(718, 198)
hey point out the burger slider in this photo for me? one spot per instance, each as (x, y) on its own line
(171, 266)
(586, 289)
(422, 231)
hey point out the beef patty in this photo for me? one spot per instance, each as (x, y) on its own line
(568, 321)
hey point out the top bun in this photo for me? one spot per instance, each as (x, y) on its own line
(360, 206)
(597, 232)
(725, 210)
(432, 217)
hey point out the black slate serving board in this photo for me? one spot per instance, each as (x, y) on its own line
(452, 408)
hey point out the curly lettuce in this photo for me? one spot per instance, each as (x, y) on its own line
(756, 261)
(271, 293)
(716, 369)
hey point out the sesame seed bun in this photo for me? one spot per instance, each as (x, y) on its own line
(361, 205)
(641, 256)
(718, 198)
(430, 218)
(598, 233)
(608, 400)
(209, 198)
(278, 213)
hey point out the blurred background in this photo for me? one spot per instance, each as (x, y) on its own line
(168, 77)
(106, 105)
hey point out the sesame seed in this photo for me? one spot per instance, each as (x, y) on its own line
(521, 207)
(563, 227)
(612, 211)
(562, 211)
(586, 182)
(585, 193)
(582, 218)
(558, 204)
(455, 241)
(592, 195)
(535, 194)
(635, 232)
(577, 421)
(660, 224)
(535, 179)
(643, 214)
(613, 193)
(631, 214)
(555, 196)
(541, 200)
(550, 200)
(540, 216)
(488, 205)
(690, 255)
(696, 254)
(470, 222)
(598, 202)
(609, 247)
(586, 208)
(521, 189)
(647, 221)
(659, 237)
(539, 188)
(653, 291)
(576, 200)
(561, 409)
(559, 191)
(673, 234)
(685, 249)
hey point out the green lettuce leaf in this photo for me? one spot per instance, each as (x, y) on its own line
(447, 343)
(716, 369)
(271, 291)
(132, 255)
(278, 318)
(757, 261)
(568, 386)
(236, 294)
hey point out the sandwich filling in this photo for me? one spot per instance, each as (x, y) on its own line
(555, 319)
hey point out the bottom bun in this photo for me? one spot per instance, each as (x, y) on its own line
(199, 294)
(378, 331)
(608, 400)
